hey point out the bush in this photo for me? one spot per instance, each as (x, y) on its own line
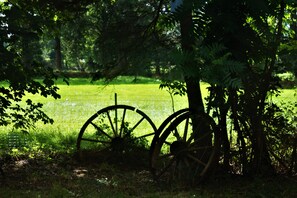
(288, 80)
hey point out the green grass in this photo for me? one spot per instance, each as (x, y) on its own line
(78, 103)
(116, 81)
(81, 99)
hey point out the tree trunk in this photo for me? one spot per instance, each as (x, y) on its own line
(261, 163)
(158, 70)
(193, 84)
(194, 95)
(294, 28)
(223, 107)
(236, 122)
(58, 53)
(195, 101)
(26, 56)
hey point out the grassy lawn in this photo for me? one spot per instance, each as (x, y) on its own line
(79, 102)
(61, 175)
(82, 99)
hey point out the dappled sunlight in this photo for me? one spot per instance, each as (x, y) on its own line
(80, 172)
(19, 164)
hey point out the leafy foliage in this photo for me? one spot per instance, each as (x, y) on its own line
(281, 128)
(234, 48)
(238, 47)
(19, 68)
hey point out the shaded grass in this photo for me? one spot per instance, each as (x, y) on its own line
(56, 177)
(116, 81)
(64, 177)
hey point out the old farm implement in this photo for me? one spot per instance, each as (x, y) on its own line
(178, 148)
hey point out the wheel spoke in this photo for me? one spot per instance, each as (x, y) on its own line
(176, 134)
(143, 136)
(123, 123)
(186, 129)
(185, 161)
(111, 124)
(198, 148)
(101, 131)
(93, 140)
(116, 122)
(195, 159)
(192, 134)
(191, 138)
(166, 167)
(203, 136)
(130, 131)
(168, 155)
(198, 139)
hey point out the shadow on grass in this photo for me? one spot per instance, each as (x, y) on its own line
(116, 175)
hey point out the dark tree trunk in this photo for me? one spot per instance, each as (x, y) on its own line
(58, 53)
(236, 122)
(294, 28)
(221, 107)
(195, 100)
(158, 70)
(224, 107)
(261, 163)
(193, 84)
(293, 165)
(194, 95)
(27, 54)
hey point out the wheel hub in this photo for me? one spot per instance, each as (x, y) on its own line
(117, 144)
(178, 148)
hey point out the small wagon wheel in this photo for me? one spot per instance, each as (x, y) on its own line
(116, 128)
(181, 152)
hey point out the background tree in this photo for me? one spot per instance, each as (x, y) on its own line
(252, 33)
(249, 34)
(237, 47)
(231, 45)
(288, 49)
(19, 67)
(22, 25)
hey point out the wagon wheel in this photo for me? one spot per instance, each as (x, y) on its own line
(116, 128)
(179, 154)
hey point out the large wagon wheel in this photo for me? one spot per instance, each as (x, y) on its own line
(116, 128)
(182, 153)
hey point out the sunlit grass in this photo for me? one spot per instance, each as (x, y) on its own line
(81, 99)
(78, 103)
